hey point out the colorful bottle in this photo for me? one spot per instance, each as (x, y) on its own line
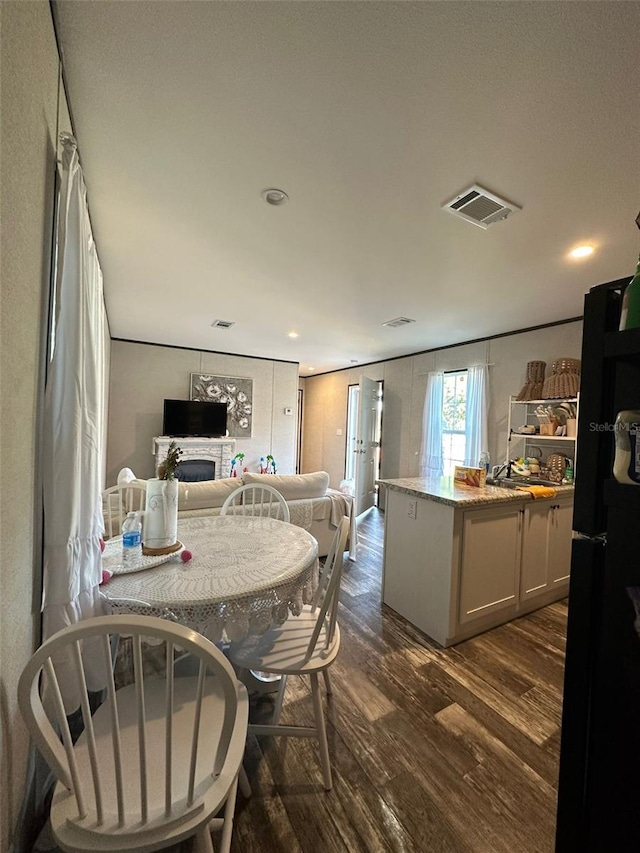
(630, 317)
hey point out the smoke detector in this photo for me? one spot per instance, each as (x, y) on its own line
(223, 324)
(399, 321)
(480, 206)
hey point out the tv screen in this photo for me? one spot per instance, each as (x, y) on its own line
(193, 417)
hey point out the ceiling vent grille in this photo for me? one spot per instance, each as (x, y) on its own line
(399, 321)
(480, 207)
(223, 324)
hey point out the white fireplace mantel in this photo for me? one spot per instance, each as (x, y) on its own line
(218, 450)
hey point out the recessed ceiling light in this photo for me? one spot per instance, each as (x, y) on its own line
(581, 252)
(310, 368)
(275, 197)
(292, 334)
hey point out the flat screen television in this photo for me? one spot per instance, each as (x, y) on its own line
(193, 417)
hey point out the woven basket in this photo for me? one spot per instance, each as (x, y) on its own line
(532, 389)
(564, 380)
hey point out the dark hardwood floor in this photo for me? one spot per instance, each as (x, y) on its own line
(444, 750)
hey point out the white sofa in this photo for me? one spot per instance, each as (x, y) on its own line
(312, 504)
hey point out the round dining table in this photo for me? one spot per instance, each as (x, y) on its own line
(244, 574)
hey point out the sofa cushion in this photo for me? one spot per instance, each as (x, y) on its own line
(203, 494)
(292, 487)
(206, 493)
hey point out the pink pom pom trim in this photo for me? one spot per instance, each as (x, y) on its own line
(106, 576)
(186, 556)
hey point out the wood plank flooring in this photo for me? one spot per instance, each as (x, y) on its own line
(433, 750)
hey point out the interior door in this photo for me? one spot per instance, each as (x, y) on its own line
(366, 445)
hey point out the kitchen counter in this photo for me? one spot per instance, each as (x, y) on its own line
(460, 560)
(443, 490)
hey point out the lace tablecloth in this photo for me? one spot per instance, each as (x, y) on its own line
(244, 574)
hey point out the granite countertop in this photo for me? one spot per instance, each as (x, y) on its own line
(442, 490)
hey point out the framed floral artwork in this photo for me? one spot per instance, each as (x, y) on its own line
(236, 393)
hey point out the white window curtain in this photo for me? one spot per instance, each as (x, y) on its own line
(74, 425)
(431, 462)
(476, 434)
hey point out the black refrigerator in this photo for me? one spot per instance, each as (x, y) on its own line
(599, 781)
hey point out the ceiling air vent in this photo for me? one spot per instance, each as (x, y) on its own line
(399, 321)
(223, 324)
(481, 207)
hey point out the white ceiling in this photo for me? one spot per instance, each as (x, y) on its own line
(370, 115)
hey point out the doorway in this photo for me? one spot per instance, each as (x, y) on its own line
(364, 440)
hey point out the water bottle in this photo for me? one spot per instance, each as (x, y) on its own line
(131, 540)
(485, 461)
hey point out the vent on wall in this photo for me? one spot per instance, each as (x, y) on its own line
(479, 206)
(223, 324)
(399, 321)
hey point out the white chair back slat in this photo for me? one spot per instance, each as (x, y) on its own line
(72, 766)
(178, 789)
(117, 501)
(257, 500)
(142, 731)
(115, 729)
(88, 728)
(196, 731)
(326, 598)
(227, 727)
(168, 782)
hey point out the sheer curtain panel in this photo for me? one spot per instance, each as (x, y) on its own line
(431, 462)
(476, 436)
(74, 432)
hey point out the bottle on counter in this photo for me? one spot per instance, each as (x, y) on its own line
(630, 317)
(626, 465)
(131, 540)
(485, 461)
(568, 473)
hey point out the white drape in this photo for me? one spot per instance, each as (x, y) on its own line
(74, 431)
(476, 434)
(431, 462)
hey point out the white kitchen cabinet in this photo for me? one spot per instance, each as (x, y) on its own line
(455, 571)
(546, 547)
(560, 535)
(490, 561)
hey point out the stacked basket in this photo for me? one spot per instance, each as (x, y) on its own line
(564, 380)
(535, 380)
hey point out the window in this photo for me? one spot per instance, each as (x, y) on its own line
(454, 420)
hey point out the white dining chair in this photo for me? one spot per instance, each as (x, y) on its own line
(304, 645)
(117, 501)
(256, 500)
(157, 760)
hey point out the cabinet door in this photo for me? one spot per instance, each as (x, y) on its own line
(490, 564)
(546, 546)
(535, 550)
(560, 525)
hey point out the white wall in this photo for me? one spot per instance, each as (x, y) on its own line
(405, 384)
(29, 118)
(143, 375)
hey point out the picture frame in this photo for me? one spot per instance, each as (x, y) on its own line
(236, 392)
